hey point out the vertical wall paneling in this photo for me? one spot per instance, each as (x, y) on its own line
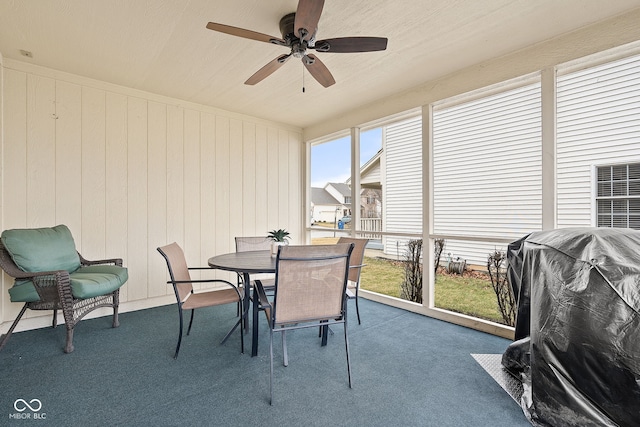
(175, 175)
(157, 197)
(69, 155)
(14, 166)
(91, 241)
(273, 175)
(249, 181)
(236, 179)
(14, 149)
(297, 213)
(283, 183)
(137, 197)
(192, 232)
(207, 186)
(116, 182)
(261, 184)
(129, 172)
(222, 180)
(41, 152)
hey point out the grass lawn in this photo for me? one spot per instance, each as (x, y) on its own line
(469, 294)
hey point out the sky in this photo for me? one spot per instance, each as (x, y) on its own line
(330, 162)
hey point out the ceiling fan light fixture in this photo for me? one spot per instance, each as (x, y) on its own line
(299, 31)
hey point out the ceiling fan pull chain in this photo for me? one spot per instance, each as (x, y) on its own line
(302, 79)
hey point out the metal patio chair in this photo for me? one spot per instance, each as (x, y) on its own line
(310, 291)
(187, 299)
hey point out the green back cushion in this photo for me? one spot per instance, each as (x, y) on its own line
(42, 249)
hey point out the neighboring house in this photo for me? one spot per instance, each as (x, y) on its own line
(330, 203)
(370, 187)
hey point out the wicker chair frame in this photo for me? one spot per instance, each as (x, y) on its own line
(54, 289)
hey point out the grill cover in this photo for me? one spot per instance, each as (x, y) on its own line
(577, 348)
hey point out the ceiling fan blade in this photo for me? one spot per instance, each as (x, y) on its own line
(318, 70)
(241, 32)
(307, 17)
(351, 44)
(267, 70)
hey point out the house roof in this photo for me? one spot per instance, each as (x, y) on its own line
(320, 196)
(164, 47)
(342, 188)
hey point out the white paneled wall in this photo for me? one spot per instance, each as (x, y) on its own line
(129, 171)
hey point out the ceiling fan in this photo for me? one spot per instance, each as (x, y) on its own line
(299, 34)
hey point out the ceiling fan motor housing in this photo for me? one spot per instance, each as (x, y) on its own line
(286, 26)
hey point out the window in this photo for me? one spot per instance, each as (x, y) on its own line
(618, 196)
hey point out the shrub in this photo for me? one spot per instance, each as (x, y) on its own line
(500, 283)
(411, 286)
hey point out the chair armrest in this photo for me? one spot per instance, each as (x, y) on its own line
(207, 281)
(114, 261)
(262, 300)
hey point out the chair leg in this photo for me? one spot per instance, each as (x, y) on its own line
(357, 308)
(55, 317)
(285, 354)
(13, 326)
(346, 344)
(238, 323)
(254, 326)
(191, 321)
(175, 356)
(69, 347)
(271, 366)
(116, 303)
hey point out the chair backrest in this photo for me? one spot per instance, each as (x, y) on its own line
(178, 270)
(357, 256)
(254, 243)
(42, 249)
(311, 283)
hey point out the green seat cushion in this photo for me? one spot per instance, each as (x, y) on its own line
(23, 291)
(42, 249)
(94, 280)
(86, 282)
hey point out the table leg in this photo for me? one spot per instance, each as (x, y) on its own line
(254, 325)
(247, 299)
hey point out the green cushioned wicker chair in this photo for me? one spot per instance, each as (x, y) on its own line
(51, 275)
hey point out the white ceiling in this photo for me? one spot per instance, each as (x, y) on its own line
(162, 46)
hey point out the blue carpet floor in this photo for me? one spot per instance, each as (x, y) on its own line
(408, 370)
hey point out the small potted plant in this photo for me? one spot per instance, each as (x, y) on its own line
(280, 237)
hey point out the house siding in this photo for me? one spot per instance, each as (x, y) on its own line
(598, 124)
(402, 189)
(487, 179)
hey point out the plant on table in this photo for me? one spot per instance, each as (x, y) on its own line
(280, 235)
